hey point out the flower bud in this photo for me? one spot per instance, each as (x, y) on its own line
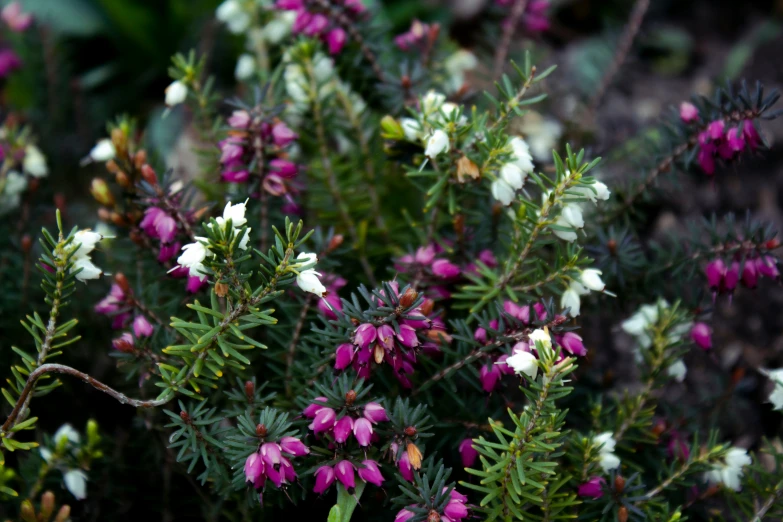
(619, 484)
(64, 514)
(148, 174)
(409, 297)
(335, 242)
(270, 452)
(688, 112)
(414, 455)
(342, 428)
(101, 192)
(27, 511)
(344, 472)
(362, 430)
(140, 158)
(293, 446)
(375, 412)
(701, 334)
(391, 129)
(365, 334)
(323, 420)
(572, 343)
(343, 356)
(371, 473)
(592, 488)
(324, 478)
(405, 467)
(468, 453)
(27, 243)
(221, 289)
(122, 179)
(250, 389)
(47, 505)
(622, 514)
(122, 282)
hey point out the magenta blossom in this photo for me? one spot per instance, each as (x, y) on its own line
(342, 429)
(375, 412)
(323, 421)
(16, 20)
(293, 446)
(701, 334)
(688, 112)
(572, 343)
(489, 375)
(468, 453)
(362, 430)
(371, 473)
(324, 478)
(9, 62)
(142, 327)
(593, 488)
(344, 472)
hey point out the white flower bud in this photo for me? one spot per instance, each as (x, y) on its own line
(233, 15)
(34, 162)
(103, 150)
(606, 457)
(176, 93)
(540, 336)
(308, 259)
(432, 101)
(521, 153)
(677, 370)
(411, 129)
(86, 239)
(88, 269)
(246, 67)
(76, 482)
(513, 175)
(309, 282)
(570, 299)
(524, 363)
(591, 279)
(67, 432)
(438, 143)
(502, 191)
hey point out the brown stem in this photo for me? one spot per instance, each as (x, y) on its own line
(517, 10)
(626, 40)
(294, 340)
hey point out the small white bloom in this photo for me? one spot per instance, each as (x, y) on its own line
(34, 162)
(193, 257)
(570, 299)
(457, 65)
(246, 67)
(309, 282)
(76, 483)
(540, 336)
(308, 259)
(591, 279)
(513, 175)
(46, 454)
(103, 150)
(606, 457)
(411, 129)
(524, 362)
(15, 183)
(609, 461)
(572, 214)
(502, 191)
(176, 93)
(67, 432)
(776, 396)
(279, 27)
(233, 15)
(596, 191)
(295, 84)
(565, 235)
(436, 144)
(88, 269)
(86, 239)
(432, 101)
(450, 110)
(521, 153)
(730, 472)
(236, 213)
(677, 370)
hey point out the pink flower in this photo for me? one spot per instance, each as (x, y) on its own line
(274, 184)
(330, 304)
(407, 336)
(270, 452)
(572, 343)
(404, 465)
(303, 18)
(404, 515)
(688, 112)
(375, 413)
(317, 24)
(767, 266)
(111, 303)
(335, 40)
(282, 135)
(750, 274)
(362, 430)
(16, 20)
(289, 474)
(142, 327)
(751, 135)
(731, 278)
(715, 271)
(343, 356)
(489, 375)
(593, 488)
(522, 313)
(468, 454)
(365, 334)
(386, 336)
(342, 428)
(9, 62)
(123, 343)
(324, 478)
(677, 448)
(701, 334)
(254, 467)
(235, 176)
(167, 251)
(445, 269)
(289, 5)
(540, 311)
(344, 471)
(323, 421)
(239, 119)
(715, 130)
(195, 284)
(706, 161)
(371, 473)
(293, 446)
(455, 510)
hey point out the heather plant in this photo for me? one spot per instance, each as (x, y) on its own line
(364, 299)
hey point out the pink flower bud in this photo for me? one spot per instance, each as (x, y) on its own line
(342, 428)
(706, 161)
(235, 176)
(425, 255)
(593, 488)
(540, 311)
(488, 258)
(750, 274)
(239, 119)
(323, 420)
(15, 18)
(404, 515)
(254, 467)
(287, 469)
(731, 278)
(195, 284)
(324, 478)
(407, 336)
(362, 430)
(386, 336)
(168, 251)
(283, 168)
(468, 454)
(489, 375)
(701, 334)
(282, 135)
(404, 465)
(318, 24)
(480, 335)
(715, 129)
(521, 346)
(343, 356)
(521, 313)
(767, 266)
(344, 471)
(270, 452)
(274, 184)
(365, 334)
(375, 413)
(715, 271)
(335, 40)
(142, 327)
(123, 343)
(445, 269)
(751, 135)
(688, 112)
(455, 510)
(230, 151)
(289, 5)
(315, 407)
(572, 343)
(503, 366)
(735, 140)
(303, 18)
(371, 473)
(293, 446)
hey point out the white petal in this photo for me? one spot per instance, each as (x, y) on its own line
(512, 175)
(525, 363)
(609, 461)
(103, 150)
(309, 282)
(502, 191)
(66, 431)
(245, 68)
(570, 299)
(176, 93)
(677, 370)
(436, 144)
(591, 279)
(76, 483)
(34, 162)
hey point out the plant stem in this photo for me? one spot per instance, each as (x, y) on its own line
(774, 497)
(517, 10)
(292, 346)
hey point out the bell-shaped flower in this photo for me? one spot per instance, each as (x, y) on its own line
(502, 191)
(103, 150)
(375, 413)
(324, 478)
(342, 429)
(371, 473)
(323, 421)
(437, 143)
(344, 472)
(591, 279)
(524, 363)
(293, 446)
(362, 430)
(308, 280)
(176, 93)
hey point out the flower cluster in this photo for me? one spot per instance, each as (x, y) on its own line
(453, 511)
(724, 279)
(647, 317)
(570, 219)
(79, 250)
(589, 280)
(273, 461)
(730, 471)
(535, 18)
(24, 164)
(434, 112)
(606, 444)
(512, 174)
(254, 140)
(435, 272)
(311, 22)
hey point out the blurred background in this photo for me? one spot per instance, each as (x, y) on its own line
(88, 61)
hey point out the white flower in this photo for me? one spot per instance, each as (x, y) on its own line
(596, 191)
(591, 279)
(15, 184)
(67, 433)
(309, 282)
(46, 454)
(34, 162)
(231, 13)
(730, 472)
(243, 242)
(606, 457)
(308, 259)
(410, 128)
(193, 257)
(448, 111)
(279, 27)
(437, 144)
(502, 191)
(432, 101)
(103, 150)
(236, 213)
(565, 235)
(176, 93)
(457, 65)
(540, 336)
(572, 215)
(570, 299)
(246, 67)
(677, 370)
(776, 396)
(76, 483)
(88, 270)
(521, 153)
(524, 362)
(86, 239)
(513, 175)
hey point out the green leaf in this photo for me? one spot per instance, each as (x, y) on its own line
(346, 502)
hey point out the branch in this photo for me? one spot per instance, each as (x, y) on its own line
(508, 32)
(294, 340)
(774, 497)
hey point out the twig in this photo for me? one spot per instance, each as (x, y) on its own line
(774, 497)
(626, 40)
(294, 340)
(512, 22)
